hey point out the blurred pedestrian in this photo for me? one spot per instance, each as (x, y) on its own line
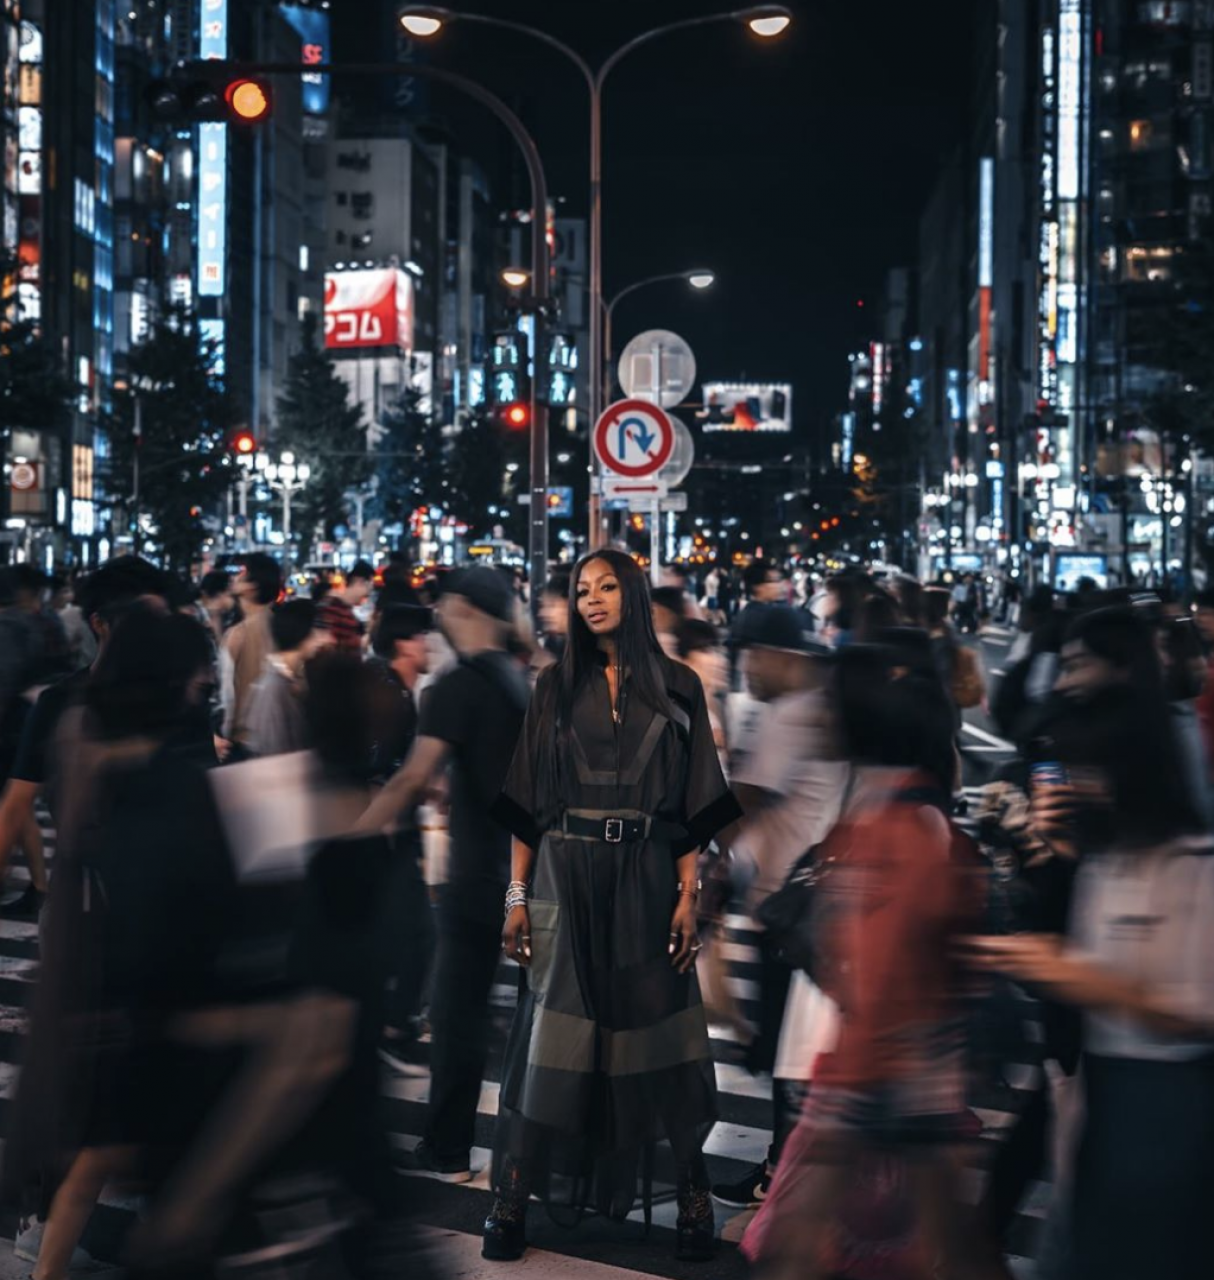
(401, 660)
(614, 788)
(275, 723)
(669, 613)
(790, 788)
(141, 899)
(35, 770)
(215, 602)
(897, 890)
(1137, 961)
(470, 720)
(247, 645)
(337, 611)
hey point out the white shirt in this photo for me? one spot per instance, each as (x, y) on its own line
(1149, 916)
(790, 757)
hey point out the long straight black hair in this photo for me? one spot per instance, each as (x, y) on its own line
(638, 658)
(638, 653)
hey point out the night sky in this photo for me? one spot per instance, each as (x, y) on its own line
(795, 168)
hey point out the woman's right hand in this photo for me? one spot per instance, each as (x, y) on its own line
(516, 936)
(1052, 816)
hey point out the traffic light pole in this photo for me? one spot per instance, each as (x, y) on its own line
(540, 266)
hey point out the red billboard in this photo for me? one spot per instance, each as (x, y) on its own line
(369, 308)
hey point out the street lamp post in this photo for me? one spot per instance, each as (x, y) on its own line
(764, 20)
(287, 478)
(701, 278)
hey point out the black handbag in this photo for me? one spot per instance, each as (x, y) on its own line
(787, 915)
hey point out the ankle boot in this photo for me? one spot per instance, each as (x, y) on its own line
(695, 1228)
(504, 1238)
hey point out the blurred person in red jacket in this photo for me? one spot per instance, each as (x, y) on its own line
(898, 886)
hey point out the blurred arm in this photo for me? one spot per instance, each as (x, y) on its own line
(406, 786)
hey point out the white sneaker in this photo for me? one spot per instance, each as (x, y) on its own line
(28, 1244)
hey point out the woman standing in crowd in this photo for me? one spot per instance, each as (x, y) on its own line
(614, 788)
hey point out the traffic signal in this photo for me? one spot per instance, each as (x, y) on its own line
(211, 91)
(244, 444)
(516, 415)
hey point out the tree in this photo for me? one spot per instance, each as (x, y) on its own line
(480, 455)
(185, 416)
(319, 424)
(411, 470)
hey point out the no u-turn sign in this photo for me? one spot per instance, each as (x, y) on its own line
(634, 438)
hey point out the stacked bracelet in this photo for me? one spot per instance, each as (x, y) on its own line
(691, 890)
(516, 895)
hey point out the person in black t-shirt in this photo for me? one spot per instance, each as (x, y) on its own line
(470, 719)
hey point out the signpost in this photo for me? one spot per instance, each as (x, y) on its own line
(633, 441)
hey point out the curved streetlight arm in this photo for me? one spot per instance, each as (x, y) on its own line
(641, 284)
(646, 36)
(508, 24)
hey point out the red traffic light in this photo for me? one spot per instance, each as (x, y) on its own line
(244, 443)
(517, 415)
(249, 101)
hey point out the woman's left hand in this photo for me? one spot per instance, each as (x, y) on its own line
(1028, 957)
(684, 938)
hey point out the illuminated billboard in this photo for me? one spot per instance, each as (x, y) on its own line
(368, 308)
(747, 406)
(313, 28)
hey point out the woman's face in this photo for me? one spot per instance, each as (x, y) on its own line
(600, 601)
(1085, 673)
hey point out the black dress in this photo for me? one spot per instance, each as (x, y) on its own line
(609, 1051)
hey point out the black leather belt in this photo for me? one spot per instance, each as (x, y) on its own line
(610, 830)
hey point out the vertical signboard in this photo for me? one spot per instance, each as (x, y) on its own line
(986, 275)
(212, 165)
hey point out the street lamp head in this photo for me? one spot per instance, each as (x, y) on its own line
(766, 20)
(287, 458)
(424, 20)
(515, 277)
(702, 279)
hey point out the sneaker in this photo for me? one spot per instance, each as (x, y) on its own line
(748, 1192)
(404, 1057)
(28, 1244)
(446, 1169)
(27, 906)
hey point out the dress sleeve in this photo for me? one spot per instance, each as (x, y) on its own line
(517, 807)
(708, 803)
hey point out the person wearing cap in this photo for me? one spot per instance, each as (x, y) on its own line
(791, 785)
(469, 720)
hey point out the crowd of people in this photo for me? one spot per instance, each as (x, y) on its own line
(297, 837)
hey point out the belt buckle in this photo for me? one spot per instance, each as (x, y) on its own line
(613, 830)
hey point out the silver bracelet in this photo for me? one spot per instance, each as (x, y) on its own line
(516, 895)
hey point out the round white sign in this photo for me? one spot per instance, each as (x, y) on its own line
(658, 365)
